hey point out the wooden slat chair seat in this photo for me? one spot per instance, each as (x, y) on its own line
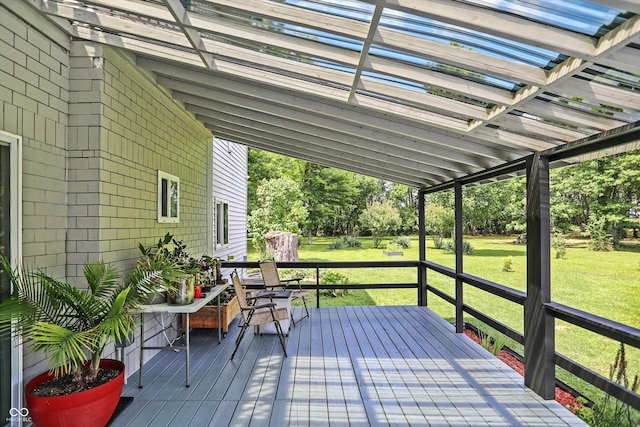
(257, 314)
(272, 281)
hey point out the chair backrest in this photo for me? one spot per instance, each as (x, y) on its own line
(240, 293)
(270, 275)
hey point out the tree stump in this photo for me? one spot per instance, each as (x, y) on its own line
(283, 245)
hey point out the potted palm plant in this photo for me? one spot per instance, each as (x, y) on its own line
(72, 327)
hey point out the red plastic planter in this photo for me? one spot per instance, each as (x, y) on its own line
(92, 407)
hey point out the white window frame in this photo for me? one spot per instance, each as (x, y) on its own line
(221, 223)
(168, 192)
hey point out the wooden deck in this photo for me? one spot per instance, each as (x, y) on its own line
(347, 366)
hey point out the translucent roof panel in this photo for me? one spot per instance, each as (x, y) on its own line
(351, 9)
(409, 91)
(581, 16)
(454, 35)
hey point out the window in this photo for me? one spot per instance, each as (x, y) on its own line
(168, 197)
(222, 223)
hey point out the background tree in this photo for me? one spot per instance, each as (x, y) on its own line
(380, 219)
(606, 187)
(405, 200)
(280, 208)
(439, 222)
(328, 195)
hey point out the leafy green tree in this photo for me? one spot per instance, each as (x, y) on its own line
(405, 199)
(439, 222)
(381, 219)
(327, 195)
(496, 207)
(606, 187)
(280, 209)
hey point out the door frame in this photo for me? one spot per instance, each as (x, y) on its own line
(14, 142)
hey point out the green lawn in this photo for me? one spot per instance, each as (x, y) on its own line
(603, 283)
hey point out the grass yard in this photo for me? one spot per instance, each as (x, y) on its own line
(603, 283)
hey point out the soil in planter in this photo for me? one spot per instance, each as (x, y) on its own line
(64, 384)
(563, 397)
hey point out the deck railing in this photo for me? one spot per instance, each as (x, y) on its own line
(599, 325)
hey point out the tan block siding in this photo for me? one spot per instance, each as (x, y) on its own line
(137, 129)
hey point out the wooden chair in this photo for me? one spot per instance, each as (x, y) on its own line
(272, 281)
(257, 314)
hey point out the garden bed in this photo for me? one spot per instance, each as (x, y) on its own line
(567, 398)
(207, 317)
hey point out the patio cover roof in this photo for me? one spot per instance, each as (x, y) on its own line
(411, 91)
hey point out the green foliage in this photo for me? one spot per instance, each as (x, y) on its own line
(348, 241)
(336, 245)
(280, 209)
(332, 277)
(71, 325)
(328, 195)
(603, 187)
(559, 245)
(601, 239)
(492, 345)
(380, 219)
(450, 247)
(608, 411)
(496, 207)
(507, 263)
(352, 241)
(393, 247)
(405, 200)
(404, 242)
(439, 221)
(438, 242)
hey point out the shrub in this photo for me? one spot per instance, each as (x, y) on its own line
(333, 278)
(351, 241)
(404, 242)
(438, 242)
(393, 247)
(601, 239)
(559, 244)
(450, 247)
(336, 245)
(507, 263)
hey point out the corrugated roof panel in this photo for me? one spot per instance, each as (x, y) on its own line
(428, 64)
(580, 16)
(440, 32)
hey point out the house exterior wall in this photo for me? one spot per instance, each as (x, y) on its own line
(95, 130)
(230, 185)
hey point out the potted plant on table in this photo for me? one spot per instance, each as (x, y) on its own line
(72, 327)
(159, 258)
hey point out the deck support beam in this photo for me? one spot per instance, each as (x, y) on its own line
(458, 227)
(422, 239)
(539, 333)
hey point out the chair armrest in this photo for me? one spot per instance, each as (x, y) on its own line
(260, 297)
(255, 307)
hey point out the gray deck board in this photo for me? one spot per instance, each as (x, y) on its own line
(347, 366)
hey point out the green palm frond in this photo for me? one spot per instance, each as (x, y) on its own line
(101, 278)
(66, 348)
(143, 282)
